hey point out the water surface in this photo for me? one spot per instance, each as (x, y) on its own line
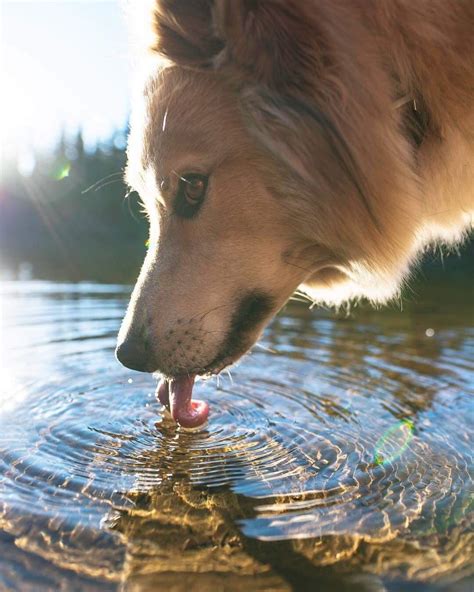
(337, 455)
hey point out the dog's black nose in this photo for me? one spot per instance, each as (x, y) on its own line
(135, 354)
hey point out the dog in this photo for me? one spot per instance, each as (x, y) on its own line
(287, 144)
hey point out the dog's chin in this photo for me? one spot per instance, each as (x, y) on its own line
(217, 365)
(228, 358)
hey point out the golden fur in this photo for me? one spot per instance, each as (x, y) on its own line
(339, 140)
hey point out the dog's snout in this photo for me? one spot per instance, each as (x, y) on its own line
(134, 353)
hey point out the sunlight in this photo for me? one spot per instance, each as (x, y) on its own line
(55, 78)
(28, 115)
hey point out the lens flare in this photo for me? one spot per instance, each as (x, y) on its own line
(394, 442)
(62, 172)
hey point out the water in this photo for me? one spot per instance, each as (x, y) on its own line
(337, 456)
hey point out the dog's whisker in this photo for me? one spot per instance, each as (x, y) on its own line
(107, 184)
(227, 371)
(304, 296)
(204, 314)
(265, 348)
(180, 177)
(98, 184)
(296, 299)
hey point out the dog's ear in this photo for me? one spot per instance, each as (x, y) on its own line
(271, 42)
(274, 42)
(184, 32)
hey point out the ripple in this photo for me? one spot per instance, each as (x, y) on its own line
(353, 444)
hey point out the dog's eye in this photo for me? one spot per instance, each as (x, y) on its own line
(194, 187)
(190, 195)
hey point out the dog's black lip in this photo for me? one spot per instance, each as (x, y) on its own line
(221, 364)
(225, 360)
(254, 308)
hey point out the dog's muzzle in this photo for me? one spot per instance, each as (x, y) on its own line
(135, 353)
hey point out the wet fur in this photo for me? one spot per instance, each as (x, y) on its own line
(358, 120)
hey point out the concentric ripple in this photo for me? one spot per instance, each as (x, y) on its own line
(351, 443)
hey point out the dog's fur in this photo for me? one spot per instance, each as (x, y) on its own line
(339, 142)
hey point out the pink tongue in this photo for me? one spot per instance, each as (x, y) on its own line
(163, 393)
(177, 396)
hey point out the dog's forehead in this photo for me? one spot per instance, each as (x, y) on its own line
(190, 115)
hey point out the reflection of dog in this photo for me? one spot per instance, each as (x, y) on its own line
(285, 144)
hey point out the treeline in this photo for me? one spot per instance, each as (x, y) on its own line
(69, 216)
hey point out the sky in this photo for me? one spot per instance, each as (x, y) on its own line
(64, 64)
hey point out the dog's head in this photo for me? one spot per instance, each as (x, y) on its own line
(264, 164)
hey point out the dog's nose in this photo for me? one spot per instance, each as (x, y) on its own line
(134, 353)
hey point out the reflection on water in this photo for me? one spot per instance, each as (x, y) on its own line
(340, 462)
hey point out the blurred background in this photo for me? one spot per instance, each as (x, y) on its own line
(65, 78)
(65, 213)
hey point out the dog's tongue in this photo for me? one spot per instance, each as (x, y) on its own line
(177, 396)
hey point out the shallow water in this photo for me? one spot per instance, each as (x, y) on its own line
(337, 455)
